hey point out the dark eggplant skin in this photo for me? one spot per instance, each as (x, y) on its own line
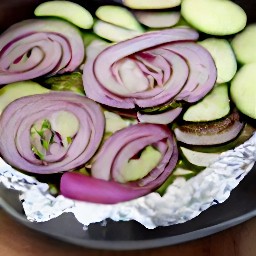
(210, 133)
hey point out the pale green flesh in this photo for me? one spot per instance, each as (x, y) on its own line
(243, 90)
(41, 138)
(43, 132)
(136, 169)
(17, 90)
(118, 16)
(69, 11)
(151, 4)
(244, 45)
(223, 57)
(88, 38)
(158, 19)
(66, 124)
(213, 106)
(115, 122)
(199, 158)
(113, 33)
(214, 17)
(183, 170)
(67, 82)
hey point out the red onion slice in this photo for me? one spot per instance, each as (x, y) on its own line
(107, 87)
(150, 70)
(16, 140)
(126, 143)
(202, 75)
(104, 186)
(33, 48)
(81, 187)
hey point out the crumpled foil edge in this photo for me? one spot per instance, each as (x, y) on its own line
(182, 201)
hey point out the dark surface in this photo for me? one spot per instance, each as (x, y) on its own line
(240, 207)
(129, 235)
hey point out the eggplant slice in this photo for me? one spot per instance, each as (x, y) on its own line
(210, 133)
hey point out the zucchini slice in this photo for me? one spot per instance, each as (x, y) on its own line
(199, 158)
(243, 90)
(112, 32)
(214, 17)
(118, 16)
(13, 91)
(151, 4)
(224, 58)
(213, 106)
(66, 10)
(244, 45)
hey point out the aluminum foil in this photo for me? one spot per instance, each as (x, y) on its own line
(182, 201)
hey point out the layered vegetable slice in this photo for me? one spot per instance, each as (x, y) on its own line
(67, 10)
(35, 47)
(51, 132)
(131, 163)
(210, 133)
(244, 45)
(214, 17)
(150, 70)
(243, 90)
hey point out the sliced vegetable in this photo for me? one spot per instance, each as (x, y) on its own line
(136, 169)
(115, 122)
(150, 70)
(69, 82)
(213, 106)
(17, 90)
(158, 19)
(118, 16)
(214, 17)
(161, 108)
(151, 4)
(243, 90)
(33, 48)
(112, 32)
(244, 135)
(81, 187)
(199, 158)
(160, 118)
(210, 133)
(126, 145)
(50, 133)
(202, 75)
(223, 56)
(67, 10)
(244, 45)
(119, 172)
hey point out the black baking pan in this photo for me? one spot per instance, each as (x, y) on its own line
(131, 235)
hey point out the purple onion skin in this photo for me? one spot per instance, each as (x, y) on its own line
(125, 143)
(84, 188)
(37, 47)
(104, 186)
(19, 116)
(187, 70)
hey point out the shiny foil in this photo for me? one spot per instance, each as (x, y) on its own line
(182, 201)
